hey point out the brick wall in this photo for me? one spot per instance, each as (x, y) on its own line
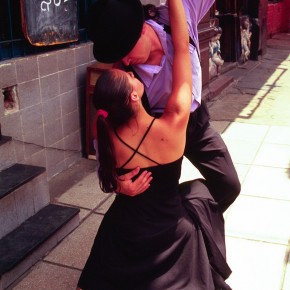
(48, 128)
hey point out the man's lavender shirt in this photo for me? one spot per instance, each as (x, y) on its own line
(158, 78)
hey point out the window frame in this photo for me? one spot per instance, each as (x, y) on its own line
(12, 40)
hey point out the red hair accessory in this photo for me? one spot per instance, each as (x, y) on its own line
(103, 113)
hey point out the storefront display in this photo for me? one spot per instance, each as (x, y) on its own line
(215, 58)
(244, 25)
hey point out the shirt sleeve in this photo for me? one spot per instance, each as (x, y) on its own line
(200, 7)
(195, 10)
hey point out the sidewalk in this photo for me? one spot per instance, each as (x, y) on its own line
(253, 116)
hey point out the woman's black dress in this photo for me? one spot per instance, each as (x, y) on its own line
(161, 239)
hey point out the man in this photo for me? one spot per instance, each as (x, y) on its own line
(119, 33)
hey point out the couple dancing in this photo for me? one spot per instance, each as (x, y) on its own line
(170, 236)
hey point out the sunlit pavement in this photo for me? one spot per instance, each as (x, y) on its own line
(253, 116)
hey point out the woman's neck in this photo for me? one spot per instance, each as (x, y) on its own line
(136, 123)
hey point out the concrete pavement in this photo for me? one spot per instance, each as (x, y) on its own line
(253, 116)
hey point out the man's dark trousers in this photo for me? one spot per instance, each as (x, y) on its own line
(207, 151)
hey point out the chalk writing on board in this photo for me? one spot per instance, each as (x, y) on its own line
(49, 22)
(45, 4)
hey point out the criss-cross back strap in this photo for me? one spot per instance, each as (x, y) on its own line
(136, 150)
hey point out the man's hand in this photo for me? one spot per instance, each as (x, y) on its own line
(128, 187)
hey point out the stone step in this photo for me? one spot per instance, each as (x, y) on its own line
(16, 175)
(7, 152)
(23, 192)
(216, 86)
(219, 84)
(27, 244)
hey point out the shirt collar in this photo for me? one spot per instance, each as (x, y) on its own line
(147, 71)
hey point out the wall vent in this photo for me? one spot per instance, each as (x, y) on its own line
(11, 100)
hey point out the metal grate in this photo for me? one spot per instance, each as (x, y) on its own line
(12, 41)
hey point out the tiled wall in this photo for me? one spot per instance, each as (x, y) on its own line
(48, 129)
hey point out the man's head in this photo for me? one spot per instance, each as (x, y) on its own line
(115, 27)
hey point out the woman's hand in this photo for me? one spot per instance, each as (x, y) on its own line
(128, 187)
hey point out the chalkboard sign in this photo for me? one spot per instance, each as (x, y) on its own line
(49, 22)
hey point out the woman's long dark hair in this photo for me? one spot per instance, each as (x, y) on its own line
(111, 94)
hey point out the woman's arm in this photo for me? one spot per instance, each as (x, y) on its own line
(178, 105)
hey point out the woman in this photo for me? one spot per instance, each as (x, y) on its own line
(149, 241)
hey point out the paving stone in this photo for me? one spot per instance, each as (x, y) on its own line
(45, 276)
(261, 219)
(255, 265)
(74, 250)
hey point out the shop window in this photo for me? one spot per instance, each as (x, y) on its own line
(12, 40)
